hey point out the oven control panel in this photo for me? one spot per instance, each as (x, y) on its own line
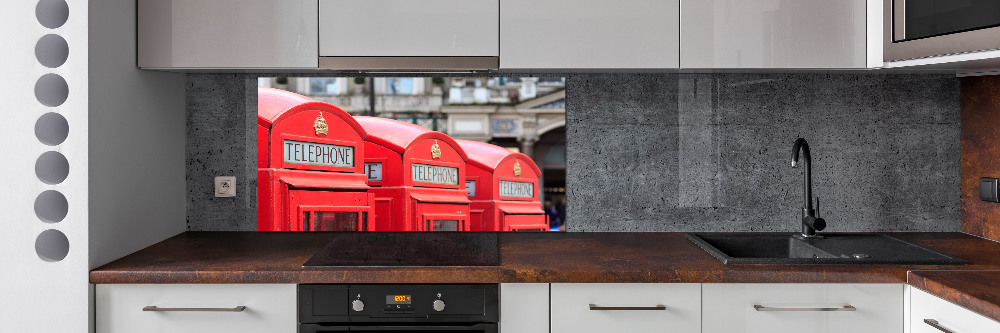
(398, 303)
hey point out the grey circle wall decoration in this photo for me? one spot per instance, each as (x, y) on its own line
(52, 13)
(51, 90)
(52, 167)
(51, 206)
(52, 245)
(51, 50)
(51, 129)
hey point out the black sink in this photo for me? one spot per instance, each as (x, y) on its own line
(787, 248)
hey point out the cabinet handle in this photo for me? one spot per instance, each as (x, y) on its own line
(233, 309)
(935, 324)
(759, 307)
(630, 308)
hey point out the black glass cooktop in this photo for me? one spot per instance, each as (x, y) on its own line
(440, 248)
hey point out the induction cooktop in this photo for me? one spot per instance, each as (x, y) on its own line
(438, 248)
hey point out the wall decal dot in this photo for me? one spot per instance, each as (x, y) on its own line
(51, 90)
(52, 167)
(52, 13)
(51, 206)
(51, 129)
(51, 51)
(52, 245)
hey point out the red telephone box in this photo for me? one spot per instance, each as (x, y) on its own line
(310, 165)
(416, 176)
(503, 187)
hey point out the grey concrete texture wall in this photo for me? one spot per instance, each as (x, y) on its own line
(221, 141)
(712, 152)
(682, 152)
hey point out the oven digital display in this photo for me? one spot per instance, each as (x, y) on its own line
(397, 299)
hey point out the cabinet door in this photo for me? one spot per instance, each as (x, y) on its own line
(524, 308)
(802, 308)
(269, 308)
(773, 34)
(227, 34)
(409, 28)
(589, 34)
(947, 315)
(626, 307)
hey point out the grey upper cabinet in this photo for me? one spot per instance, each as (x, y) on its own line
(401, 28)
(409, 34)
(583, 34)
(780, 34)
(509, 34)
(224, 34)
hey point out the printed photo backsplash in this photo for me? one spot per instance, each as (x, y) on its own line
(411, 154)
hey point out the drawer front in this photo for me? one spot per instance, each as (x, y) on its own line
(524, 308)
(572, 312)
(269, 308)
(730, 308)
(949, 316)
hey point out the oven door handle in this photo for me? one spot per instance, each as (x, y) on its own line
(436, 327)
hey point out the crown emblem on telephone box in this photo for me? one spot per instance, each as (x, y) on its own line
(435, 150)
(320, 125)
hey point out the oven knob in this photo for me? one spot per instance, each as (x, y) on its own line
(438, 305)
(358, 305)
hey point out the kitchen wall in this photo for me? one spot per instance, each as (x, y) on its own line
(980, 153)
(684, 152)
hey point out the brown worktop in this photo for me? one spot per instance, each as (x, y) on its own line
(978, 291)
(277, 257)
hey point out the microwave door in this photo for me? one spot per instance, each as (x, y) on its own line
(916, 19)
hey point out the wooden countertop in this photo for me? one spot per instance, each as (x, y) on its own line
(978, 291)
(261, 257)
(277, 257)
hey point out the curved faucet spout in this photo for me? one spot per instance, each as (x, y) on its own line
(810, 222)
(803, 146)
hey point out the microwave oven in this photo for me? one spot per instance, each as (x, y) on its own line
(915, 29)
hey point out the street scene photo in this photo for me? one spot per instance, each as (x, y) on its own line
(411, 153)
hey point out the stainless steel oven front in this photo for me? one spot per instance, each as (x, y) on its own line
(915, 29)
(390, 308)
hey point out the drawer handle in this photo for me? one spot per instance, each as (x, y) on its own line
(759, 307)
(935, 324)
(629, 308)
(234, 309)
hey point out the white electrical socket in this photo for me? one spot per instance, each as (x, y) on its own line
(225, 186)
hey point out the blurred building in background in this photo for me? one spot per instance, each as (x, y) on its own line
(524, 114)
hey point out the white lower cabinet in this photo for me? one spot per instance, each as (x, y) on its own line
(196, 308)
(930, 314)
(626, 307)
(802, 308)
(524, 308)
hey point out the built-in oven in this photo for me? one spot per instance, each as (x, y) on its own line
(467, 308)
(927, 28)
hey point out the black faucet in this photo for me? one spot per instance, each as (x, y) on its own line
(810, 222)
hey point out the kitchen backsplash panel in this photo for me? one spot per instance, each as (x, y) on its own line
(980, 153)
(683, 152)
(221, 141)
(712, 152)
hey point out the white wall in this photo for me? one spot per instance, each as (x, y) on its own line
(125, 183)
(137, 125)
(36, 295)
